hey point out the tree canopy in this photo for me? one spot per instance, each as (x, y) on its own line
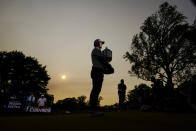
(140, 95)
(20, 74)
(165, 47)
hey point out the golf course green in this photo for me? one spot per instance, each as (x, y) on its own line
(133, 121)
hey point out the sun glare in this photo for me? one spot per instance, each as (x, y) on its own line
(63, 77)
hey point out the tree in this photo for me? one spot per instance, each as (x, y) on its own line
(188, 89)
(141, 94)
(163, 48)
(99, 100)
(20, 74)
(82, 101)
(67, 104)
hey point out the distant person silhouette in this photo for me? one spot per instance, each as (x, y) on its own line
(97, 75)
(121, 93)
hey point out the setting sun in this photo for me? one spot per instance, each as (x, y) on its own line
(63, 77)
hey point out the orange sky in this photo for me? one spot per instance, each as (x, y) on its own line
(60, 35)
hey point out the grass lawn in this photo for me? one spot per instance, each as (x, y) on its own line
(111, 121)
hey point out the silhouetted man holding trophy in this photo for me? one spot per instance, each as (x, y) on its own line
(100, 66)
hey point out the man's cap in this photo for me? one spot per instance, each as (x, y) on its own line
(97, 41)
(42, 95)
(122, 80)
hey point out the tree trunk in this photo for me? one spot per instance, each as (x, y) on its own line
(169, 81)
(169, 85)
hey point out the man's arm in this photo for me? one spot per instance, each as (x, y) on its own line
(100, 56)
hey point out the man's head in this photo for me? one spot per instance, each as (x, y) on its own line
(98, 43)
(122, 81)
(42, 96)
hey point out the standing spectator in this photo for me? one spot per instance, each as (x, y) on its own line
(121, 93)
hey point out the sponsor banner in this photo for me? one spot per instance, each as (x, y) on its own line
(37, 109)
(14, 105)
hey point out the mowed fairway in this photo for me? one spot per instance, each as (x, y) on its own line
(133, 121)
